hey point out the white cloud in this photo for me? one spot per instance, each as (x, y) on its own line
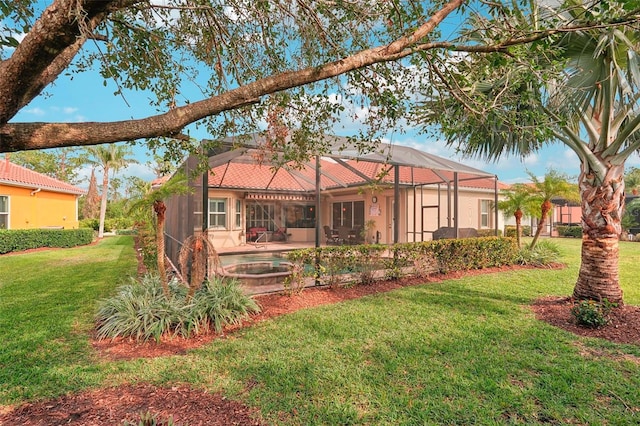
(531, 159)
(35, 111)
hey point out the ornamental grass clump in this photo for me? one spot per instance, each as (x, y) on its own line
(542, 254)
(142, 311)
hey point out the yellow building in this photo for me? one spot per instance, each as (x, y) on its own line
(30, 200)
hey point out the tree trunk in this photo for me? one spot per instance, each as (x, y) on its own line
(160, 208)
(546, 208)
(103, 201)
(518, 216)
(602, 208)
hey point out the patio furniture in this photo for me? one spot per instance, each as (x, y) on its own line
(280, 234)
(331, 235)
(343, 234)
(448, 232)
(355, 235)
(257, 235)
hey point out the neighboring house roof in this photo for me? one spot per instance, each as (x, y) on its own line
(14, 175)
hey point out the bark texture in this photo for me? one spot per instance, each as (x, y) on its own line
(159, 207)
(518, 216)
(602, 207)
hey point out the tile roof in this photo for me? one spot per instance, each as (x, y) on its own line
(240, 173)
(15, 175)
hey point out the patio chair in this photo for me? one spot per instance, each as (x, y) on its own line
(332, 235)
(280, 234)
(343, 234)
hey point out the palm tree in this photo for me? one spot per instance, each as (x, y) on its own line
(580, 88)
(553, 185)
(632, 180)
(154, 198)
(110, 158)
(516, 203)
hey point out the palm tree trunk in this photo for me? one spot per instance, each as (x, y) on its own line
(103, 200)
(545, 209)
(160, 208)
(518, 216)
(602, 208)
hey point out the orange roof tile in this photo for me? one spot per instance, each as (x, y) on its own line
(243, 174)
(15, 175)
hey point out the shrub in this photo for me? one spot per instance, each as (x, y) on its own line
(490, 233)
(510, 231)
(329, 265)
(90, 223)
(24, 239)
(544, 253)
(141, 310)
(592, 314)
(574, 231)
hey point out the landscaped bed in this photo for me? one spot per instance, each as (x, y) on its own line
(471, 299)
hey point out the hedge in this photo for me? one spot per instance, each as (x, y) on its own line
(569, 231)
(329, 265)
(510, 231)
(24, 239)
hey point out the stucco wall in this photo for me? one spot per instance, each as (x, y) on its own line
(40, 210)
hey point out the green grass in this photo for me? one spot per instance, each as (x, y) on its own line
(466, 351)
(47, 303)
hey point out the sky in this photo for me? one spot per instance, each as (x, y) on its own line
(85, 97)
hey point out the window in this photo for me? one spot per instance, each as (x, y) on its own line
(261, 216)
(300, 215)
(485, 213)
(217, 213)
(349, 214)
(4, 212)
(238, 212)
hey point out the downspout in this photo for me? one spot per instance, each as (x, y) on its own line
(35, 191)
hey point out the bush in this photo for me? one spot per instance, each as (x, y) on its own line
(510, 231)
(592, 314)
(544, 253)
(330, 264)
(141, 310)
(90, 223)
(574, 231)
(490, 233)
(25, 239)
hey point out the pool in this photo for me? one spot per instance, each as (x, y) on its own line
(257, 272)
(258, 269)
(234, 259)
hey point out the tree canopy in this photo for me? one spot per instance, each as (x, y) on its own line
(300, 65)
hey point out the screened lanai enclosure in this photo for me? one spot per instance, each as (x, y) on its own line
(394, 194)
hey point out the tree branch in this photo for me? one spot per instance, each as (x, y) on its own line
(26, 136)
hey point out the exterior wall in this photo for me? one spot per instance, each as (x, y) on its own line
(231, 235)
(378, 214)
(431, 207)
(234, 234)
(41, 210)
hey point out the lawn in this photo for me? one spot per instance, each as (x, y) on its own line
(465, 351)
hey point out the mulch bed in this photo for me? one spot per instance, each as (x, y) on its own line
(112, 406)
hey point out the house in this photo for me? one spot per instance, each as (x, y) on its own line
(342, 197)
(30, 200)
